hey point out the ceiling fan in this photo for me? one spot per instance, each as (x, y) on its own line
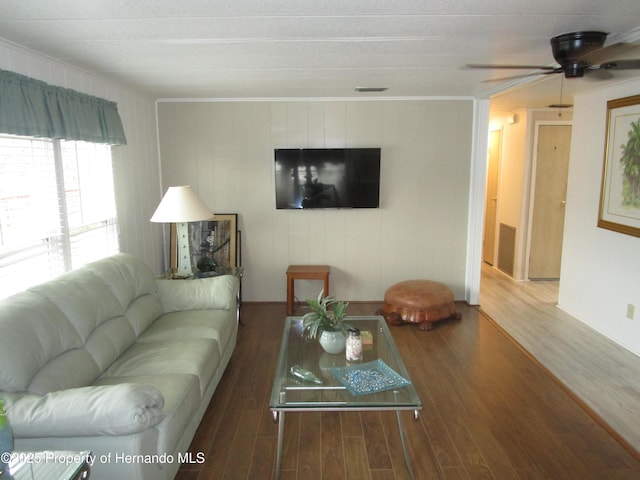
(578, 53)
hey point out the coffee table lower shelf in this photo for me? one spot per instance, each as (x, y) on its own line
(279, 414)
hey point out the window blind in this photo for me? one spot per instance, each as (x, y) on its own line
(89, 201)
(29, 221)
(57, 209)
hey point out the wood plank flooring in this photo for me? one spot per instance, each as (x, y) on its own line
(490, 412)
(602, 375)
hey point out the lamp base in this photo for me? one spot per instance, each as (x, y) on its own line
(185, 267)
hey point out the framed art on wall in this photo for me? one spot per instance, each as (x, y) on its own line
(620, 191)
(213, 243)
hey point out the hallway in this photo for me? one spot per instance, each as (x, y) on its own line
(601, 375)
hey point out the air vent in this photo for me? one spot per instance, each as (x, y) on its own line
(371, 89)
(506, 249)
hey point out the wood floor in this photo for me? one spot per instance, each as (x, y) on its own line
(603, 376)
(490, 412)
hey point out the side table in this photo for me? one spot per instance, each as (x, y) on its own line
(305, 272)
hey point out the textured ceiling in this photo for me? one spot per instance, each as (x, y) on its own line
(314, 48)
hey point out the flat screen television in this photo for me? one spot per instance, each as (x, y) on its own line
(327, 178)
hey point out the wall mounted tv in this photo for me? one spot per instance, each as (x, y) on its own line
(327, 178)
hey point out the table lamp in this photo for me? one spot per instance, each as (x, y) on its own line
(181, 205)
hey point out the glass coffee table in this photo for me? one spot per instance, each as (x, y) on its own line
(379, 381)
(49, 464)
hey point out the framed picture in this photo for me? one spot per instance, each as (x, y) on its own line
(213, 243)
(620, 190)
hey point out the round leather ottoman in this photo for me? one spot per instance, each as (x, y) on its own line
(418, 301)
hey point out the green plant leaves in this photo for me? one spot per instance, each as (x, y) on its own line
(630, 161)
(326, 314)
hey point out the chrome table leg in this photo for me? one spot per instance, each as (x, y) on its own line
(403, 440)
(280, 417)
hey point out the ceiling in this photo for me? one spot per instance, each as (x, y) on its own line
(317, 48)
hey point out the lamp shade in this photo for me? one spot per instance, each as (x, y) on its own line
(181, 204)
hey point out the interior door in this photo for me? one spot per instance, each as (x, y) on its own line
(491, 197)
(547, 224)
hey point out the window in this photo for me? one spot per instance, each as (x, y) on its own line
(57, 209)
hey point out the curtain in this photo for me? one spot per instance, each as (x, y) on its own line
(34, 108)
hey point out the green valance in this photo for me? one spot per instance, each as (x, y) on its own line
(30, 107)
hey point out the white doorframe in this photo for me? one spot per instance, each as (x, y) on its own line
(477, 187)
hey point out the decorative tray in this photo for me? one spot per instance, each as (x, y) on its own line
(369, 377)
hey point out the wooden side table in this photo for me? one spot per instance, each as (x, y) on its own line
(305, 272)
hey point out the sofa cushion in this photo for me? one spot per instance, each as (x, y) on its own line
(181, 395)
(133, 284)
(199, 357)
(201, 294)
(127, 277)
(142, 312)
(73, 369)
(83, 298)
(102, 410)
(218, 325)
(109, 340)
(34, 331)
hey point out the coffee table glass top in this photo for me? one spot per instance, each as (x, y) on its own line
(381, 364)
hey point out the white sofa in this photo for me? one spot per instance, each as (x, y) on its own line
(109, 359)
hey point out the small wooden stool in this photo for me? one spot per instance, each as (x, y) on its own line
(418, 301)
(305, 272)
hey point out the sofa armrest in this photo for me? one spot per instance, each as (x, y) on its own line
(87, 411)
(212, 293)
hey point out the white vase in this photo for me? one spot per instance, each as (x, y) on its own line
(333, 342)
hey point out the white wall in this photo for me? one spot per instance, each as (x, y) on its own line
(600, 268)
(225, 150)
(512, 176)
(136, 169)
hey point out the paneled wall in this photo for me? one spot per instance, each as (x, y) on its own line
(225, 150)
(136, 168)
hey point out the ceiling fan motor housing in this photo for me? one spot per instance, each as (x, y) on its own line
(569, 48)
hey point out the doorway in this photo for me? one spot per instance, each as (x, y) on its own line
(549, 179)
(491, 197)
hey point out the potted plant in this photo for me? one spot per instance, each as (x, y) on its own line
(325, 321)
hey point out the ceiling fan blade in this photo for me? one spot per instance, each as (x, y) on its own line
(522, 67)
(597, 73)
(621, 64)
(513, 77)
(606, 54)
